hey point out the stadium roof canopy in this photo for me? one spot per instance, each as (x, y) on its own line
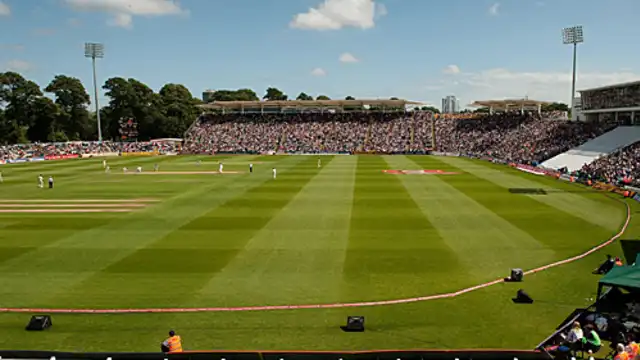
(515, 103)
(237, 105)
(613, 86)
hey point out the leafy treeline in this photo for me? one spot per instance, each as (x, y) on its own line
(27, 115)
(273, 94)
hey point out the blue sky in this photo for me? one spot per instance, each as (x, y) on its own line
(415, 49)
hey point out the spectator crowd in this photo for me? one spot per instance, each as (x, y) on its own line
(508, 137)
(38, 150)
(615, 97)
(621, 167)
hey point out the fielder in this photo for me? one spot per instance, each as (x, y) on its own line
(250, 168)
(107, 169)
(104, 164)
(319, 163)
(156, 167)
(275, 173)
(50, 182)
(124, 170)
(40, 181)
(221, 167)
(1, 179)
(139, 169)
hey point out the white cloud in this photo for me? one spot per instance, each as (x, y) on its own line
(551, 86)
(121, 20)
(493, 10)
(318, 72)
(338, 14)
(5, 10)
(18, 65)
(348, 58)
(123, 11)
(451, 70)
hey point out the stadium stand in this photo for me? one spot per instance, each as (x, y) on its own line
(27, 152)
(621, 167)
(509, 137)
(590, 151)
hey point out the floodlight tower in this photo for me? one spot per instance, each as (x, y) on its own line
(573, 35)
(95, 51)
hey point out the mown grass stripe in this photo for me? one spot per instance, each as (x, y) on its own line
(297, 256)
(544, 222)
(393, 248)
(186, 270)
(486, 244)
(100, 244)
(596, 213)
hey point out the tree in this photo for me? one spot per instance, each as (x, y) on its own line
(17, 96)
(555, 106)
(349, 98)
(44, 125)
(131, 99)
(303, 96)
(178, 109)
(122, 98)
(431, 108)
(73, 100)
(322, 97)
(274, 94)
(234, 95)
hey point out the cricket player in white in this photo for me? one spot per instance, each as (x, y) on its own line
(124, 170)
(274, 173)
(139, 169)
(50, 182)
(104, 164)
(319, 163)
(221, 166)
(250, 168)
(1, 179)
(107, 169)
(40, 181)
(156, 167)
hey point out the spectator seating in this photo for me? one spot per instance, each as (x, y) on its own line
(588, 152)
(508, 137)
(35, 150)
(620, 167)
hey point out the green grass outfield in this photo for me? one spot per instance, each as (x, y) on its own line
(346, 232)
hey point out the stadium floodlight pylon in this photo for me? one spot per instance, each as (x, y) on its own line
(95, 51)
(573, 35)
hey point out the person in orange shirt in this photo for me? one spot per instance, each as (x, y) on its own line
(174, 343)
(635, 348)
(621, 353)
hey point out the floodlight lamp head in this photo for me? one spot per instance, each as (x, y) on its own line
(94, 50)
(572, 35)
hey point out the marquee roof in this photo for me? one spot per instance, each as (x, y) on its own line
(508, 102)
(627, 277)
(306, 103)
